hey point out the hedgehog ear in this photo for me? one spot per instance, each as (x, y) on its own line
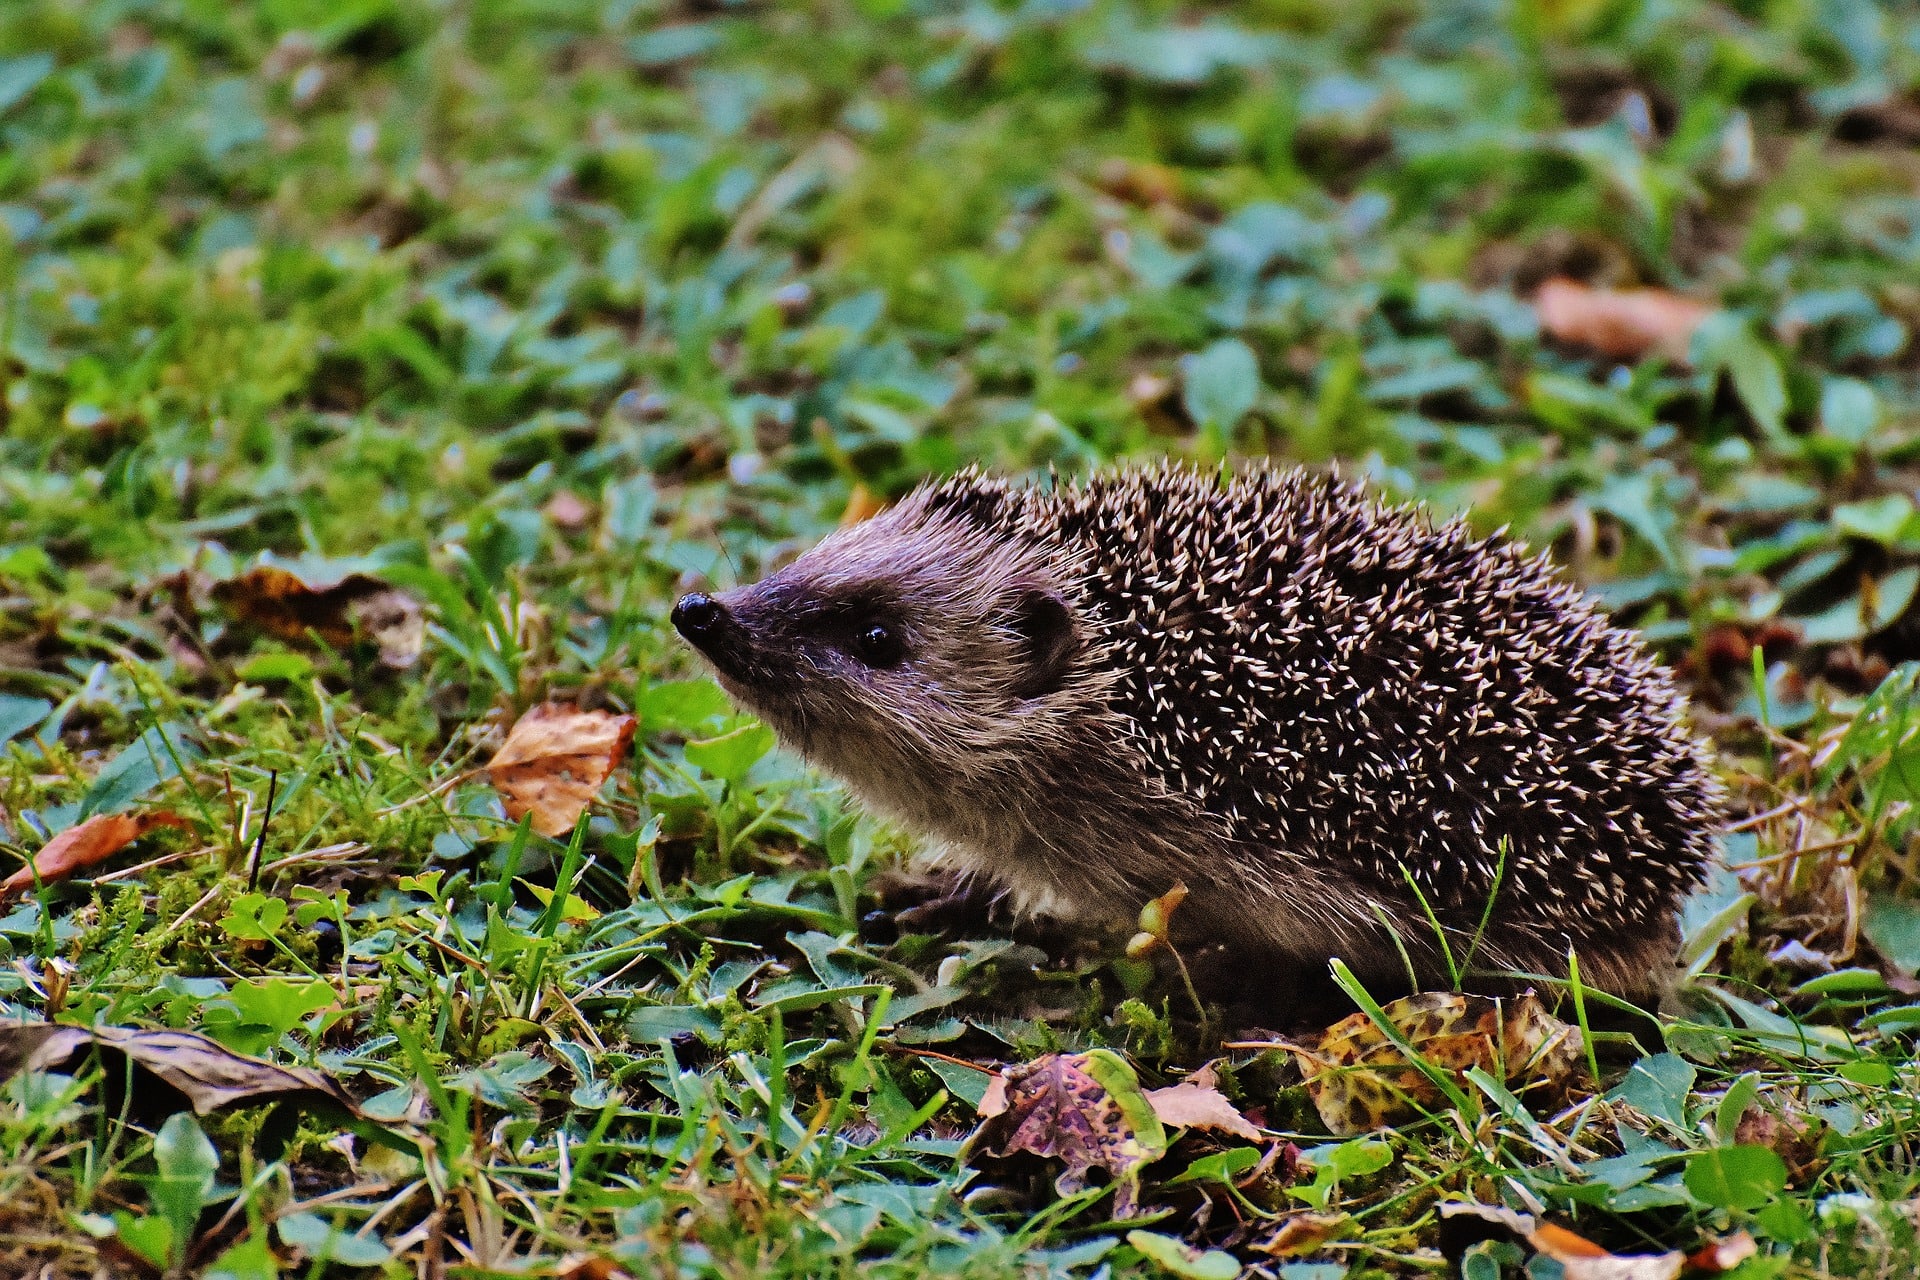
(1045, 627)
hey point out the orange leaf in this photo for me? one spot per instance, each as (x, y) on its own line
(87, 845)
(554, 760)
(583, 1266)
(1561, 1244)
(1303, 1233)
(862, 504)
(1359, 1080)
(1718, 1256)
(1624, 324)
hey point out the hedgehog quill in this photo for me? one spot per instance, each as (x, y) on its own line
(1345, 729)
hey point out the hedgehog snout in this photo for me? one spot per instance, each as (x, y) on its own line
(711, 627)
(696, 615)
(723, 628)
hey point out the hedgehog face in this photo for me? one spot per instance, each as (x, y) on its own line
(893, 650)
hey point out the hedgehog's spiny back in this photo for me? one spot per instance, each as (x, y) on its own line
(1342, 681)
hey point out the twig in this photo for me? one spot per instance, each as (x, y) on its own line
(335, 1197)
(891, 1047)
(438, 789)
(189, 913)
(260, 841)
(325, 853)
(1789, 855)
(586, 1028)
(164, 860)
(1761, 819)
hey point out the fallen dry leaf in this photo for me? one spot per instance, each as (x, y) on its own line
(356, 607)
(1717, 1257)
(1579, 1257)
(588, 1266)
(86, 845)
(1359, 1080)
(1191, 1105)
(1085, 1109)
(209, 1076)
(554, 760)
(393, 621)
(1302, 1233)
(1156, 398)
(1623, 324)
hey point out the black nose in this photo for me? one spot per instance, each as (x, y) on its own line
(696, 614)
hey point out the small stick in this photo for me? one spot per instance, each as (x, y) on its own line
(939, 1057)
(325, 853)
(189, 913)
(164, 860)
(260, 841)
(1761, 819)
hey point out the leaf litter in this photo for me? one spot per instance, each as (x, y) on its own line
(87, 845)
(1085, 1109)
(1360, 1079)
(207, 1075)
(1622, 324)
(357, 606)
(554, 761)
(1581, 1259)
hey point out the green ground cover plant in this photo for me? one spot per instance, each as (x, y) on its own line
(539, 312)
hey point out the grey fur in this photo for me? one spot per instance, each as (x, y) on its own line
(1274, 689)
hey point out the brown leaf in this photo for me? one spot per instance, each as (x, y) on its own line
(1085, 1109)
(1579, 1257)
(280, 604)
(588, 1266)
(1156, 398)
(358, 606)
(1717, 1257)
(1302, 1233)
(554, 760)
(1359, 1080)
(1199, 1106)
(87, 845)
(207, 1074)
(1138, 182)
(1623, 324)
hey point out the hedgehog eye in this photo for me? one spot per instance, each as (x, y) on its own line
(878, 645)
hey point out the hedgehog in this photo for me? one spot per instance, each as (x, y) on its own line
(1349, 731)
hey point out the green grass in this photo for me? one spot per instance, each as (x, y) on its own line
(543, 310)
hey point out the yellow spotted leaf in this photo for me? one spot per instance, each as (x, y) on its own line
(1359, 1080)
